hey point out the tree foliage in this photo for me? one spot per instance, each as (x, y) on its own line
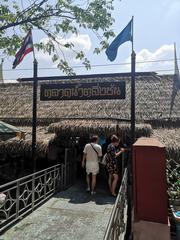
(55, 18)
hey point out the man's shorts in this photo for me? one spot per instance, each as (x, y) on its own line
(93, 172)
(92, 167)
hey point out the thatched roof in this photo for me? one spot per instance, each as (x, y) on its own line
(66, 129)
(42, 133)
(171, 140)
(23, 147)
(15, 147)
(85, 128)
(153, 100)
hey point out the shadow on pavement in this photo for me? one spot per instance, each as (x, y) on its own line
(77, 193)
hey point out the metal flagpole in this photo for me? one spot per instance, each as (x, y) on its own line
(130, 169)
(176, 82)
(1, 71)
(34, 119)
(133, 63)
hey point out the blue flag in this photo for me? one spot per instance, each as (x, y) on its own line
(124, 36)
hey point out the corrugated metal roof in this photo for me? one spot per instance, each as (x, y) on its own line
(7, 128)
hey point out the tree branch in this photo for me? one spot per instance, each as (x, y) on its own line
(33, 6)
(30, 20)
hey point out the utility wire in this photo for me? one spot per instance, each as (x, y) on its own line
(162, 70)
(96, 65)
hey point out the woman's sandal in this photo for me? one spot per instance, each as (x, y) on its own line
(114, 195)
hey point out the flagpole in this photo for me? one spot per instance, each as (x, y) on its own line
(127, 35)
(34, 117)
(133, 62)
(130, 167)
(176, 82)
(132, 33)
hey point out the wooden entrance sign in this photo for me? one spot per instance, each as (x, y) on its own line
(83, 91)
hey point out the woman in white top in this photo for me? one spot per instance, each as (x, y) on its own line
(90, 160)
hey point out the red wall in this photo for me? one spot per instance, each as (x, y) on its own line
(149, 186)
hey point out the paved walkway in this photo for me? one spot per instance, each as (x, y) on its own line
(70, 215)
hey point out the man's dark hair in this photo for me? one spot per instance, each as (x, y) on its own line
(94, 138)
(114, 139)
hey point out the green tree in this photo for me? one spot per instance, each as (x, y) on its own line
(54, 18)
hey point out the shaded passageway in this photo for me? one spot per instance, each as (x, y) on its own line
(70, 214)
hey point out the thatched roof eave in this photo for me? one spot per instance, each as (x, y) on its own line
(171, 140)
(85, 128)
(23, 147)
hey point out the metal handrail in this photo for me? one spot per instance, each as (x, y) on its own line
(25, 194)
(116, 225)
(23, 178)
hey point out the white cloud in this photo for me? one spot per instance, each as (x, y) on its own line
(81, 42)
(151, 61)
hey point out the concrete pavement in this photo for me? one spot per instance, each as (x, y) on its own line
(69, 215)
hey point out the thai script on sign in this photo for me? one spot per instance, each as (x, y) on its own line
(83, 91)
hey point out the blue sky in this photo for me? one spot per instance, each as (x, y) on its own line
(156, 28)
